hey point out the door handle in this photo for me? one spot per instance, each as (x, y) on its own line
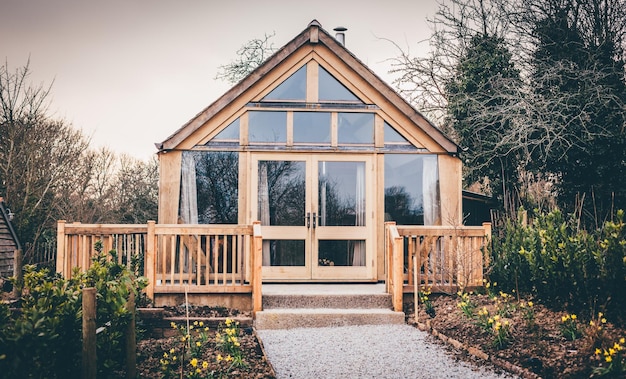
(308, 220)
(314, 220)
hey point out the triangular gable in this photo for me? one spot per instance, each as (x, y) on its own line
(289, 89)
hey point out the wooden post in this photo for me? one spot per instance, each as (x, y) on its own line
(89, 363)
(487, 228)
(61, 254)
(18, 273)
(149, 268)
(257, 267)
(388, 255)
(397, 267)
(131, 339)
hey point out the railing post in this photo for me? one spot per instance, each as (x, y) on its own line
(149, 268)
(257, 269)
(61, 253)
(89, 363)
(18, 273)
(388, 256)
(398, 272)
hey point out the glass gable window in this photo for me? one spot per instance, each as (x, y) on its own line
(392, 136)
(412, 189)
(355, 128)
(293, 88)
(267, 127)
(229, 134)
(311, 127)
(330, 89)
(209, 187)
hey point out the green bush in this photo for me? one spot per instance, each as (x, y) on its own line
(44, 340)
(564, 266)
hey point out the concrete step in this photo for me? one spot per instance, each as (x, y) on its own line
(288, 318)
(340, 301)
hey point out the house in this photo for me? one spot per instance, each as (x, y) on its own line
(9, 242)
(296, 175)
(320, 150)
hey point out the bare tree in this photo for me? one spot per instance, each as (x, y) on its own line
(37, 152)
(249, 56)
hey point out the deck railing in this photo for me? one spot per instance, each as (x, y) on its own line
(440, 258)
(177, 258)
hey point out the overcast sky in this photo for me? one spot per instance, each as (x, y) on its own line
(129, 73)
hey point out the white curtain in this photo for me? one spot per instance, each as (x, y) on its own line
(358, 258)
(264, 208)
(188, 192)
(430, 190)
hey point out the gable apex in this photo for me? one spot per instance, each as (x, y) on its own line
(313, 35)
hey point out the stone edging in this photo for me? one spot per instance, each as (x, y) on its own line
(273, 372)
(478, 353)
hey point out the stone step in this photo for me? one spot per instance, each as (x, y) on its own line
(288, 318)
(341, 301)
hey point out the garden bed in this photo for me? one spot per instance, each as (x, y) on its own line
(534, 339)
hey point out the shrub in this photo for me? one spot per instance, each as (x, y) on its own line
(567, 267)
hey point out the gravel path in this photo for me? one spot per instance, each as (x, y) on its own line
(370, 351)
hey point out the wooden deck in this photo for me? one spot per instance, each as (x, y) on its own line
(222, 260)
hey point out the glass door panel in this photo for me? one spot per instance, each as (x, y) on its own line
(314, 215)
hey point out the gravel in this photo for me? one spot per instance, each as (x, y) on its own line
(369, 351)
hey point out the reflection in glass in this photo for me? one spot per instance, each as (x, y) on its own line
(284, 253)
(267, 126)
(330, 89)
(282, 193)
(209, 187)
(293, 88)
(230, 133)
(311, 127)
(355, 128)
(341, 193)
(412, 189)
(341, 253)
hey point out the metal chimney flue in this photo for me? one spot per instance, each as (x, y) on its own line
(341, 35)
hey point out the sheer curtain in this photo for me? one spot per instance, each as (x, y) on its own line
(264, 209)
(188, 191)
(430, 191)
(358, 258)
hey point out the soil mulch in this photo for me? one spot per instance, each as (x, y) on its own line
(538, 346)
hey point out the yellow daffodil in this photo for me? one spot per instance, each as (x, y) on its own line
(194, 362)
(530, 304)
(608, 359)
(205, 364)
(598, 351)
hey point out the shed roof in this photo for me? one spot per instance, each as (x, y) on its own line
(314, 34)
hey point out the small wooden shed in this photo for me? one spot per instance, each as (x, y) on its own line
(9, 243)
(322, 152)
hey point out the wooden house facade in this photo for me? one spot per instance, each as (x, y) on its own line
(322, 152)
(9, 243)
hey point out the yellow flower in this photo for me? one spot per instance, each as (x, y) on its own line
(194, 362)
(598, 351)
(622, 340)
(591, 323)
(573, 317)
(229, 358)
(174, 358)
(228, 322)
(600, 314)
(165, 355)
(530, 303)
(198, 343)
(219, 357)
(198, 371)
(608, 359)
(201, 323)
(195, 323)
(603, 321)
(172, 351)
(564, 318)
(205, 364)
(173, 324)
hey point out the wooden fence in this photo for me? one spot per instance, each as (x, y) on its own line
(440, 258)
(176, 258)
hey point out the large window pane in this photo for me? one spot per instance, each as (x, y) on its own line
(282, 192)
(355, 128)
(267, 127)
(330, 89)
(284, 253)
(209, 187)
(341, 253)
(311, 127)
(412, 189)
(293, 88)
(341, 193)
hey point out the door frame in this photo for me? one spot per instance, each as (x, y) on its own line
(311, 271)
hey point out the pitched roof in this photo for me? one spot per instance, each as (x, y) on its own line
(313, 34)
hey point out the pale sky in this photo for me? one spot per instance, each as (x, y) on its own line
(129, 73)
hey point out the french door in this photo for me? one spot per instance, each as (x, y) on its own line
(316, 213)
